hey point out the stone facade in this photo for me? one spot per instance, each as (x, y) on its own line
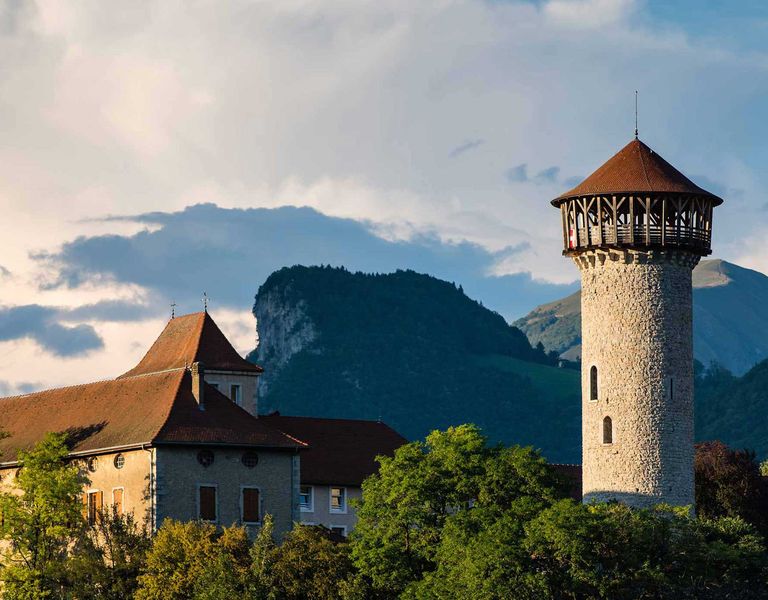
(178, 475)
(636, 316)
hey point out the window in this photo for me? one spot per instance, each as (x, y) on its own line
(250, 505)
(205, 458)
(119, 461)
(339, 530)
(607, 431)
(307, 498)
(593, 383)
(338, 500)
(94, 504)
(117, 501)
(92, 464)
(671, 389)
(206, 505)
(250, 459)
(234, 393)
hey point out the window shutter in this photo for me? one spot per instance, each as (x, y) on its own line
(251, 505)
(85, 505)
(207, 503)
(117, 501)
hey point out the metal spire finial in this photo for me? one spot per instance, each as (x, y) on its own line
(205, 302)
(173, 310)
(635, 114)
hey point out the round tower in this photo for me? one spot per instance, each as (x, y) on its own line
(636, 228)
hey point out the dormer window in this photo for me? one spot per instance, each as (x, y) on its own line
(234, 393)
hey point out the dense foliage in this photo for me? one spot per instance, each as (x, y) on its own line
(729, 484)
(453, 518)
(38, 524)
(419, 354)
(447, 518)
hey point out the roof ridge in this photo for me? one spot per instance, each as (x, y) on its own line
(642, 163)
(87, 383)
(200, 336)
(170, 406)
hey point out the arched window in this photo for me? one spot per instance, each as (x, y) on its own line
(607, 431)
(593, 383)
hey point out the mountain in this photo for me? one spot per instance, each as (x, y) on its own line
(417, 353)
(733, 409)
(411, 350)
(730, 318)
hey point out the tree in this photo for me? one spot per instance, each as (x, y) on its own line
(194, 561)
(764, 468)
(407, 505)
(40, 521)
(310, 566)
(613, 551)
(108, 557)
(728, 483)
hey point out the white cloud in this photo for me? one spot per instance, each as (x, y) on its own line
(353, 108)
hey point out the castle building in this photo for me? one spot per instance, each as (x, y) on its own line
(636, 228)
(178, 436)
(171, 438)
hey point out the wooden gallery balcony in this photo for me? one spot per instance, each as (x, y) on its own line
(639, 221)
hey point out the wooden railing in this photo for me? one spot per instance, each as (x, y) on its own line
(642, 235)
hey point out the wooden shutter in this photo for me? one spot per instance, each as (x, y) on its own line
(251, 505)
(207, 503)
(117, 500)
(85, 505)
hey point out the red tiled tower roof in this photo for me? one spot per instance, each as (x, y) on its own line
(341, 451)
(189, 339)
(636, 168)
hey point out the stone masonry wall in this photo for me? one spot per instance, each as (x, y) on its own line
(636, 311)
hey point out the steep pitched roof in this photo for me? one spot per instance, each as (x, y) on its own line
(636, 168)
(341, 451)
(146, 409)
(188, 339)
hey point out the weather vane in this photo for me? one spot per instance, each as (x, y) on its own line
(635, 114)
(173, 310)
(205, 302)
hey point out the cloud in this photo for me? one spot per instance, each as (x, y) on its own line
(518, 174)
(15, 389)
(465, 147)
(39, 323)
(549, 175)
(229, 252)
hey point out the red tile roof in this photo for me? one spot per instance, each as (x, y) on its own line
(188, 339)
(146, 409)
(636, 168)
(341, 451)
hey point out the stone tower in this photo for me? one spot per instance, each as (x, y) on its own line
(636, 228)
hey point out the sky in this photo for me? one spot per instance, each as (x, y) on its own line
(152, 151)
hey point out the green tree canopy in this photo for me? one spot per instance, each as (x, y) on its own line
(406, 506)
(40, 522)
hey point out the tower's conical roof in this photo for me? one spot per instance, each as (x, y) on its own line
(636, 168)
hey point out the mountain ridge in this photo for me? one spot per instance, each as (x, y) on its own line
(730, 318)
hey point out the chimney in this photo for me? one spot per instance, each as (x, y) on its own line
(198, 384)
